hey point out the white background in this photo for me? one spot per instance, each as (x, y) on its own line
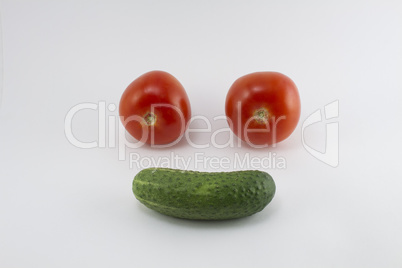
(62, 206)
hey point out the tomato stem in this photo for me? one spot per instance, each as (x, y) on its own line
(150, 119)
(261, 115)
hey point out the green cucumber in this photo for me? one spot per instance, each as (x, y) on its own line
(204, 195)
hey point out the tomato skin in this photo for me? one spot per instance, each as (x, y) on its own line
(271, 95)
(161, 94)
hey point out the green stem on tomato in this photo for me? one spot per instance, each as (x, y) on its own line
(150, 119)
(261, 115)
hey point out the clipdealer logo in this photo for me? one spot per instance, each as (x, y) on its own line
(112, 134)
(330, 156)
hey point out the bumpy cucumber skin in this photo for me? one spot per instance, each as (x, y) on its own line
(203, 195)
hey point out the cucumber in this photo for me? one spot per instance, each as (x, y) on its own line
(204, 195)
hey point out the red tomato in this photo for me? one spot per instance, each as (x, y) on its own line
(155, 108)
(263, 108)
